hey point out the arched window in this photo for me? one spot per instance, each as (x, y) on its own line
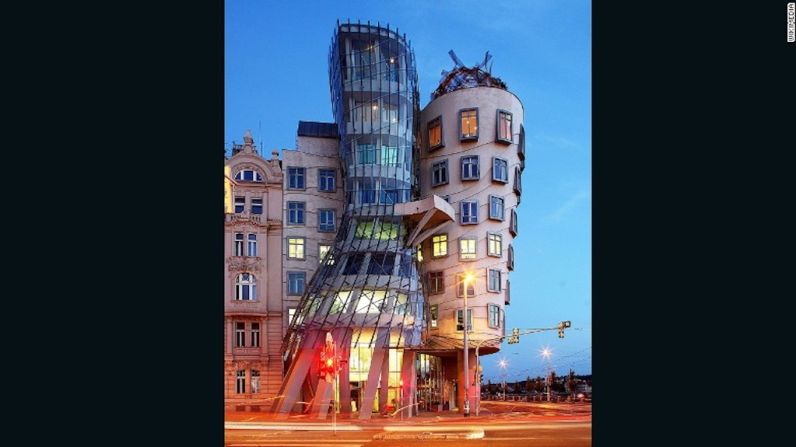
(248, 175)
(245, 287)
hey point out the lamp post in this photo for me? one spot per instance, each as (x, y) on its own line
(466, 373)
(503, 364)
(546, 353)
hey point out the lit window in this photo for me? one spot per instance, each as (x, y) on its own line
(436, 283)
(434, 315)
(439, 245)
(468, 124)
(513, 225)
(377, 229)
(419, 253)
(500, 170)
(257, 206)
(504, 126)
(460, 286)
(327, 180)
(326, 220)
(295, 248)
(467, 248)
(495, 207)
(240, 334)
(295, 178)
(322, 250)
(295, 283)
(255, 335)
(240, 204)
(370, 302)
(245, 287)
(249, 175)
(238, 244)
(291, 311)
(469, 211)
(494, 316)
(494, 244)
(252, 246)
(439, 173)
(470, 169)
(435, 133)
(240, 381)
(295, 213)
(510, 263)
(255, 379)
(460, 320)
(493, 284)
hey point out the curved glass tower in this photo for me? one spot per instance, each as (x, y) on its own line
(367, 293)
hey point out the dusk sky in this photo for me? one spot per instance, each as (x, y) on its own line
(276, 74)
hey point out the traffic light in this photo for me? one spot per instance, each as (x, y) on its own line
(562, 326)
(515, 336)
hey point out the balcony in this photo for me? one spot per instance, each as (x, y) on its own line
(257, 219)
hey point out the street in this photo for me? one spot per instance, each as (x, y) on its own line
(500, 424)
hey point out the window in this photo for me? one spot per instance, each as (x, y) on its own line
(389, 155)
(435, 139)
(504, 126)
(521, 147)
(468, 124)
(249, 175)
(460, 320)
(295, 248)
(518, 181)
(460, 286)
(295, 213)
(257, 206)
(493, 284)
(322, 250)
(238, 244)
(366, 154)
(470, 168)
(381, 264)
(255, 385)
(500, 170)
(255, 335)
(240, 334)
(367, 190)
(252, 247)
(405, 266)
(513, 225)
(436, 283)
(508, 292)
(495, 207)
(326, 220)
(245, 287)
(494, 316)
(240, 381)
(440, 245)
(467, 248)
(295, 283)
(420, 253)
(389, 191)
(291, 311)
(433, 315)
(494, 244)
(510, 263)
(295, 178)
(354, 264)
(439, 173)
(370, 301)
(327, 179)
(469, 211)
(240, 204)
(377, 229)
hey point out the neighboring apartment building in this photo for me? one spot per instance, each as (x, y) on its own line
(253, 313)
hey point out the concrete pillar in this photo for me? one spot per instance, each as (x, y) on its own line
(297, 373)
(323, 396)
(460, 379)
(409, 379)
(376, 364)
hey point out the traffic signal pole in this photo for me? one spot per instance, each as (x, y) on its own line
(513, 338)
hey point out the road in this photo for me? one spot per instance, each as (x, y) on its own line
(510, 424)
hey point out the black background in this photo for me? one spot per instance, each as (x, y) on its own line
(114, 190)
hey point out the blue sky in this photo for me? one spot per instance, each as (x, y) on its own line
(276, 74)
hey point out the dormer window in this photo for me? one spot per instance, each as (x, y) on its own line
(249, 175)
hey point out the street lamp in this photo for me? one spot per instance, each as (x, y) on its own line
(503, 363)
(468, 278)
(546, 353)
